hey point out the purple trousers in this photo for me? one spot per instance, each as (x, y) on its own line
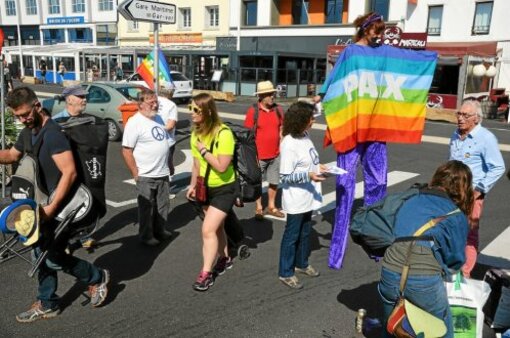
(375, 169)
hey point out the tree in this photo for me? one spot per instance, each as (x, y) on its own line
(462, 322)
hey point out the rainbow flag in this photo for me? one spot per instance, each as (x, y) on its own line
(146, 69)
(377, 94)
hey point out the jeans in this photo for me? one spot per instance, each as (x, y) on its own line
(295, 246)
(153, 206)
(58, 259)
(425, 291)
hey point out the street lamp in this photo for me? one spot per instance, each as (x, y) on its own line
(18, 23)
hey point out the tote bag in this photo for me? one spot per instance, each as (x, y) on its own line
(466, 298)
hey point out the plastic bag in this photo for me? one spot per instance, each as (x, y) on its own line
(466, 298)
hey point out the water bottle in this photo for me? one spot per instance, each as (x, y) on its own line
(359, 320)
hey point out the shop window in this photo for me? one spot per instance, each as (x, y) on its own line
(31, 7)
(54, 6)
(482, 19)
(300, 12)
(106, 34)
(250, 13)
(213, 16)
(105, 5)
(333, 11)
(80, 35)
(435, 20)
(185, 18)
(380, 6)
(53, 36)
(10, 7)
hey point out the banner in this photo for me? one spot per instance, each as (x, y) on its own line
(146, 69)
(377, 94)
(1, 39)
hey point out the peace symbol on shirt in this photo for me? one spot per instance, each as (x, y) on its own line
(158, 133)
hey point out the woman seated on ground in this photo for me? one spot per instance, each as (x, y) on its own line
(449, 189)
(212, 146)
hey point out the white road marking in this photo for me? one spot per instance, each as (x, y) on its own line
(329, 199)
(497, 252)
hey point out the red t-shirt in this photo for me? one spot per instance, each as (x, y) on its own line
(268, 131)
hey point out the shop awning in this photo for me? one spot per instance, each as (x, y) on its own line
(464, 48)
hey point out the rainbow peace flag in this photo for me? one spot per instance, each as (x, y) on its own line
(377, 94)
(146, 69)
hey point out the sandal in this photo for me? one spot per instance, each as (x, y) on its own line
(259, 214)
(276, 213)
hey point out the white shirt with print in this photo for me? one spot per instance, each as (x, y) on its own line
(299, 155)
(149, 141)
(168, 111)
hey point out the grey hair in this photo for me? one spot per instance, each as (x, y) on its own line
(476, 106)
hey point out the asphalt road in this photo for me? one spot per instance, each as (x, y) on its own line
(151, 295)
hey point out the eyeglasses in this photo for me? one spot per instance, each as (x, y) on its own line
(195, 109)
(26, 114)
(464, 115)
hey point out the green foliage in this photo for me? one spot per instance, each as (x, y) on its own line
(11, 131)
(462, 322)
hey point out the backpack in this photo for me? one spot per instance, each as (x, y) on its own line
(25, 183)
(246, 164)
(279, 112)
(372, 226)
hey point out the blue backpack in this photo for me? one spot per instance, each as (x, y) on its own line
(372, 226)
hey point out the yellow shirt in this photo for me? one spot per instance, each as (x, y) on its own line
(224, 145)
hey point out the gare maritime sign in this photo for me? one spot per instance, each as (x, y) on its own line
(149, 11)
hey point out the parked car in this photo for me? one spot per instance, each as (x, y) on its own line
(103, 100)
(182, 85)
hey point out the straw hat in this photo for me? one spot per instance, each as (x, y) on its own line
(265, 87)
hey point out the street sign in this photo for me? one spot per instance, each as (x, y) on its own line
(149, 11)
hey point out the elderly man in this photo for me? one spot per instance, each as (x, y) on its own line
(266, 118)
(76, 102)
(145, 151)
(57, 166)
(478, 148)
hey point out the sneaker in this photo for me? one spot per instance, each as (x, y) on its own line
(292, 282)
(37, 311)
(309, 271)
(99, 291)
(204, 281)
(222, 265)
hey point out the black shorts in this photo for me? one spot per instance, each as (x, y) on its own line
(223, 197)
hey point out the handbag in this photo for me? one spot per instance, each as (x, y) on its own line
(408, 320)
(201, 184)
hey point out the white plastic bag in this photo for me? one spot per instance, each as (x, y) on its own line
(466, 298)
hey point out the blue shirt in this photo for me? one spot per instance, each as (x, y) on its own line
(480, 152)
(62, 114)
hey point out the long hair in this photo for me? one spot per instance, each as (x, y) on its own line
(365, 23)
(297, 119)
(455, 178)
(210, 118)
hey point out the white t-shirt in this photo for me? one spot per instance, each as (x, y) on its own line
(168, 111)
(299, 155)
(149, 141)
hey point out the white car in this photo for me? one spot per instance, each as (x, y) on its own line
(182, 85)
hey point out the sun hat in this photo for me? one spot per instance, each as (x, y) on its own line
(265, 87)
(76, 90)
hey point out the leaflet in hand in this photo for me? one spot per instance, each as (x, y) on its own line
(333, 170)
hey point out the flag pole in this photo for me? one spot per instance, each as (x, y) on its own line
(156, 58)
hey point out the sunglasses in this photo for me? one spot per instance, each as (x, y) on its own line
(195, 109)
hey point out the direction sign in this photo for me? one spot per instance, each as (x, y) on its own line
(150, 11)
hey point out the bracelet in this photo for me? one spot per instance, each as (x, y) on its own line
(204, 151)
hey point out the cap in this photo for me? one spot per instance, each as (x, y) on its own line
(76, 90)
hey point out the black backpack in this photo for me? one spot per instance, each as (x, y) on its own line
(246, 164)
